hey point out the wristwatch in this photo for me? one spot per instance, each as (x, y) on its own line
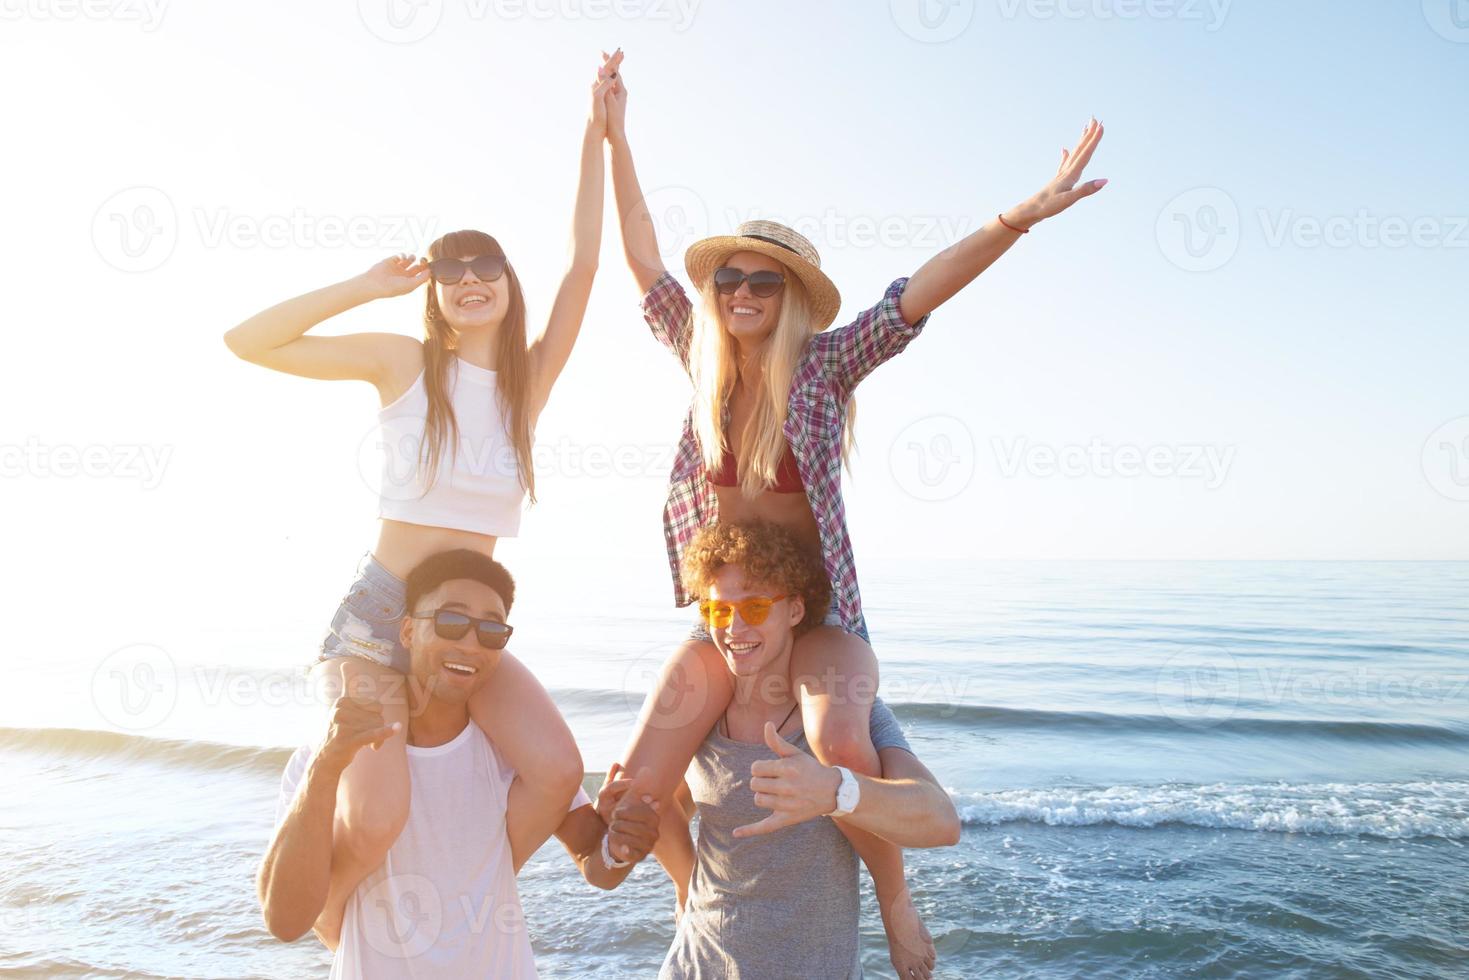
(847, 794)
(607, 857)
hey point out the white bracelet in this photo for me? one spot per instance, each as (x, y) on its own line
(607, 857)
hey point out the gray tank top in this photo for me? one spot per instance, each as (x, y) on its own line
(781, 905)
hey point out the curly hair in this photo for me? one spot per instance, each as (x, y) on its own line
(768, 554)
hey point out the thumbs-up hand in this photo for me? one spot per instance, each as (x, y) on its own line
(793, 785)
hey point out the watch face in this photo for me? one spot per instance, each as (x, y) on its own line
(847, 792)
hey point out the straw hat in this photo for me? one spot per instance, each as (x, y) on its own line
(775, 240)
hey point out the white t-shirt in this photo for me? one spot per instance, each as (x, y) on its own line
(444, 902)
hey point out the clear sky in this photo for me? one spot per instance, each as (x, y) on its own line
(1251, 344)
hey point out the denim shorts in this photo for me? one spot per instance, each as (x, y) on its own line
(368, 621)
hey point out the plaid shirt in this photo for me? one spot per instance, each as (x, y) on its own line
(830, 368)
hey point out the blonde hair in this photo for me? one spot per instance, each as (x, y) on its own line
(712, 364)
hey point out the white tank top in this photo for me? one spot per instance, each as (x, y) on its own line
(477, 487)
(444, 902)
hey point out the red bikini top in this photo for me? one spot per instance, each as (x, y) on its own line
(787, 475)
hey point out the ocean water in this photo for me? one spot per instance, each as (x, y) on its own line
(1163, 769)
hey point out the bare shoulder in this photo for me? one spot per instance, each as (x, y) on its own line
(402, 359)
(399, 347)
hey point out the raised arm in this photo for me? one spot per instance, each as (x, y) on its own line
(276, 337)
(296, 874)
(639, 237)
(550, 352)
(906, 806)
(957, 266)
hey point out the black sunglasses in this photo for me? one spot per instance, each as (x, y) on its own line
(762, 284)
(451, 625)
(449, 271)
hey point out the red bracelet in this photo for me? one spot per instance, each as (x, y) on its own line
(1023, 231)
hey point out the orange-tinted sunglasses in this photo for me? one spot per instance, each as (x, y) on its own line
(754, 610)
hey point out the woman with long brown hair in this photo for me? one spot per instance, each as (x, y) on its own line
(458, 416)
(766, 438)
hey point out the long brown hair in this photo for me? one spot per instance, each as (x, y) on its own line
(512, 363)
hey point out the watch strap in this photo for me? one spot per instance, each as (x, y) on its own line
(607, 856)
(847, 792)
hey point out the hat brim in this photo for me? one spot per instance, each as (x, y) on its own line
(705, 256)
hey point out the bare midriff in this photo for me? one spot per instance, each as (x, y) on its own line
(400, 546)
(790, 510)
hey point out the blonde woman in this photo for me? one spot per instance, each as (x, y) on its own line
(766, 437)
(459, 411)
